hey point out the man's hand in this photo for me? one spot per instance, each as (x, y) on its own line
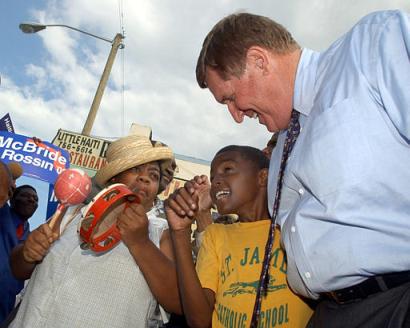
(133, 225)
(38, 243)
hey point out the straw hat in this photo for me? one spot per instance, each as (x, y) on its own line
(129, 152)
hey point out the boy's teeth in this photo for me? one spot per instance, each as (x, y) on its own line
(255, 115)
(221, 193)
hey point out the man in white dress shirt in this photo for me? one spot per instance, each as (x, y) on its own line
(344, 205)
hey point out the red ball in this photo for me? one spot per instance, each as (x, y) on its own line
(72, 186)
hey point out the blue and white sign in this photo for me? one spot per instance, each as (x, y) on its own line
(52, 201)
(39, 160)
(6, 124)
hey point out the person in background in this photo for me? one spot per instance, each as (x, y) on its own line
(75, 287)
(221, 291)
(169, 169)
(14, 229)
(23, 204)
(270, 145)
(338, 178)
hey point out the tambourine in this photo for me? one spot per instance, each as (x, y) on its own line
(98, 228)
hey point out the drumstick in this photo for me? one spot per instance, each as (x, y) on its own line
(55, 221)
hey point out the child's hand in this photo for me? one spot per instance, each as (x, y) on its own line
(201, 187)
(38, 243)
(176, 220)
(133, 225)
(183, 205)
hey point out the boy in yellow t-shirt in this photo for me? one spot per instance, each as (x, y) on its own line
(222, 290)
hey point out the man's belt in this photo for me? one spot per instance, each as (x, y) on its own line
(368, 287)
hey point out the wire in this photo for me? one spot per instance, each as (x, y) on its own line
(121, 19)
(123, 93)
(105, 137)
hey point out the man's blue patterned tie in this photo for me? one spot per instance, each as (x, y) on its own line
(291, 136)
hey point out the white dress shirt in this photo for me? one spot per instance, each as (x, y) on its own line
(345, 205)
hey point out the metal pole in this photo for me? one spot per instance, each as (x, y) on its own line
(81, 31)
(101, 86)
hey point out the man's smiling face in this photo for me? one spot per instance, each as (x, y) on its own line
(264, 90)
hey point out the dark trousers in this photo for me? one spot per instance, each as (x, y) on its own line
(389, 309)
(10, 317)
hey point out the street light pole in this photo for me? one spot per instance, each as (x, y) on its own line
(115, 44)
(101, 86)
(36, 27)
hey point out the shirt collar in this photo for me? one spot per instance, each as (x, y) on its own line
(304, 90)
(16, 218)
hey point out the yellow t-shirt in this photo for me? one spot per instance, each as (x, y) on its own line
(230, 262)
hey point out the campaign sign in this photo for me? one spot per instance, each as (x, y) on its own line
(52, 201)
(6, 124)
(39, 160)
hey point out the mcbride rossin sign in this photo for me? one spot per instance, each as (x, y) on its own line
(41, 160)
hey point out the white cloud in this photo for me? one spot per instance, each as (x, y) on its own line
(163, 39)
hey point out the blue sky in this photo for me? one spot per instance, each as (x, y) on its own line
(15, 53)
(48, 79)
(13, 59)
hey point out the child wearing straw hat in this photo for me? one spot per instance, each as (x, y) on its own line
(73, 287)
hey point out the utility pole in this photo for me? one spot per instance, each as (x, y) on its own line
(115, 45)
(101, 86)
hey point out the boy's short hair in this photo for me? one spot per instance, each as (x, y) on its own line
(252, 154)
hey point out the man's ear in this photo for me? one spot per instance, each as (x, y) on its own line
(258, 58)
(263, 177)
